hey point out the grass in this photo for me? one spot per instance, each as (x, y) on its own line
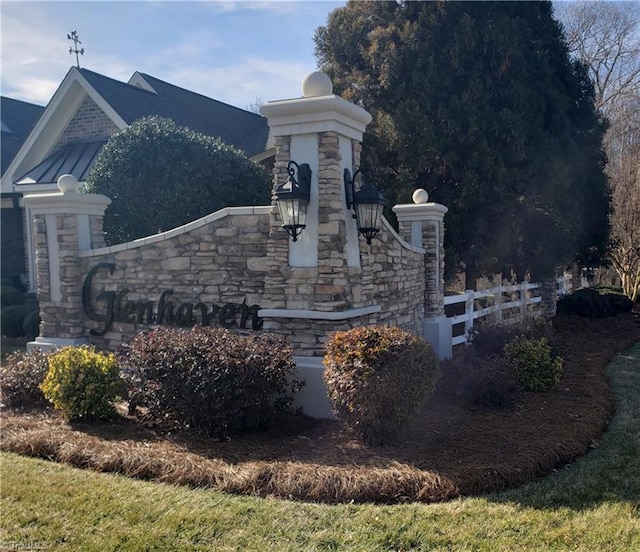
(591, 505)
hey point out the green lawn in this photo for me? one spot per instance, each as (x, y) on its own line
(592, 505)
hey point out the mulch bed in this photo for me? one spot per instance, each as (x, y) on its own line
(450, 451)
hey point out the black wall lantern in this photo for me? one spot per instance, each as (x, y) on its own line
(367, 204)
(292, 199)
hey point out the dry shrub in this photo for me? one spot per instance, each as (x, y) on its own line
(377, 377)
(209, 379)
(20, 377)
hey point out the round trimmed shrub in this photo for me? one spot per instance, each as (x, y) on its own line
(532, 363)
(377, 377)
(82, 383)
(12, 318)
(21, 374)
(594, 303)
(209, 379)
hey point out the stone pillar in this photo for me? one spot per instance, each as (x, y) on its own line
(320, 272)
(422, 225)
(64, 223)
(319, 277)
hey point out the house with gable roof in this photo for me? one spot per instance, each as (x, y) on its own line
(87, 108)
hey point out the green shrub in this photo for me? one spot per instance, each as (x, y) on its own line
(594, 303)
(377, 377)
(532, 363)
(82, 383)
(10, 296)
(485, 381)
(209, 379)
(12, 318)
(31, 325)
(21, 374)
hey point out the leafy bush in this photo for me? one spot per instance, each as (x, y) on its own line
(21, 374)
(10, 296)
(594, 303)
(377, 377)
(209, 379)
(153, 170)
(82, 383)
(12, 318)
(532, 363)
(31, 325)
(484, 381)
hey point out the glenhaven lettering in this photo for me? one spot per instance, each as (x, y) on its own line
(117, 308)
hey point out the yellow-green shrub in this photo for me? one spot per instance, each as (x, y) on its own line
(377, 377)
(532, 363)
(82, 383)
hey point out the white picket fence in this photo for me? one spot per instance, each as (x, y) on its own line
(500, 303)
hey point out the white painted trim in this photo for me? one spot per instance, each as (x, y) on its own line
(264, 155)
(352, 243)
(319, 315)
(84, 233)
(303, 253)
(139, 81)
(218, 215)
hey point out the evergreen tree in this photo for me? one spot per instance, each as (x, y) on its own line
(480, 104)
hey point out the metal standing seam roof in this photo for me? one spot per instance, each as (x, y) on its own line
(75, 158)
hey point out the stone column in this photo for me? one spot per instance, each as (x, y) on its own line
(422, 225)
(320, 271)
(64, 223)
(315, 284)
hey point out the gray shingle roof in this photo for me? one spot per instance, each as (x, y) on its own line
(236, 127)
(18, 119)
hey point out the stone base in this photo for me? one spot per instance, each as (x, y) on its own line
(47, 344)
(312, 398)
(437, 331)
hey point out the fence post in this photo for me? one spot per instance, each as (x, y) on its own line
(468, 311)
(497, 304)
(523, 299)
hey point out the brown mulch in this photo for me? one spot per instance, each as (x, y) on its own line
(451, 450)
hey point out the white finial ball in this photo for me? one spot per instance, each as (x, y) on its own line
(316, 84)
(420, 196)
(68, 183)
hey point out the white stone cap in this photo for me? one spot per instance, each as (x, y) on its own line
(422, 211)
(67, 203)
(319, 110)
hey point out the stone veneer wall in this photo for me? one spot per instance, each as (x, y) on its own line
(89, 122)
(220, 260)
(223, 259)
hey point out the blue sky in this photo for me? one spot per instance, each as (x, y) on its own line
(234, 51)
